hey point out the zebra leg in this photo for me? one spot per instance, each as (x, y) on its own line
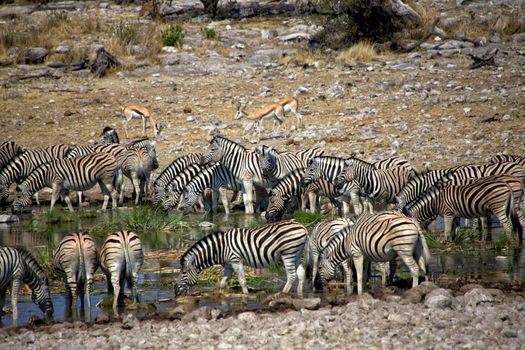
(116, 291)
(312, 198)
(291, 263)
(348, 275)
(412, 265)
(383, 267)
(2, 302)
(54, 194)
(449, 227)
(73, 290)
(228, 271)
(79, 196)
(506, 222)
(14, 295)
(239, 270)
(356, 201)
(359, 263)
(223, 192)
(136, 188)
(315, 262)
(300, 277)
(68, 202)
(248, 196)
(36, 198)
(486, 235)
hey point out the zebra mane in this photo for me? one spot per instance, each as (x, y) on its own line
(323, 159)
(201, 247)
(430, 192)
(284, 184)
(221, 140)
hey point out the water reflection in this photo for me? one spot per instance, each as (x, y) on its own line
(159, 273)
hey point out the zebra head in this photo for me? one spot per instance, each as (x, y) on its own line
(346, 175)
(108, 135)
(267, 164)
(275, 209)
(312, 173)
(213, 154)
(22, 200)
(188, 275)
(188, 199)
(171, 199)
(326, 271)
(41, 295)
(159, 193)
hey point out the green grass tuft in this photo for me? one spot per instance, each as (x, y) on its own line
(209, 33)
(173, 36)
(307, 219)
(58, 216)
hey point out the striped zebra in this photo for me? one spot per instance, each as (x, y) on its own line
(318, 239)
(359, 177)
(18, 266)
(8, 150)
(78, 174)
(174, 189)
(22, 165)
(471, 198)
(76, 260)
(276, 165)
(216, 177)
(121, 258)
(291, 187)
(136, 164)
(260, 247)
(502, 158)
(378, 237)
(169, 173)
(242, 163)
(115, 149)
(108, 135)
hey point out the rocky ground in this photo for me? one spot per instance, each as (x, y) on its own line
(426, 317)
(427, 106)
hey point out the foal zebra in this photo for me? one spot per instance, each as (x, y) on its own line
(318, 239)
(215, 177)
(170, 172)
(259, 247)
(79, 174)
(22, 165)
(76, 260)
(108, 135)
(500, 195)
(136, 164)
(360, 177)
(8, 150)
(242, 163)
(121, 258)
(18, 266)
(376, 237)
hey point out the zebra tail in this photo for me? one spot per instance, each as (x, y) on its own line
(423, 248)
(512, 209)
(82, 263)
(129, 268)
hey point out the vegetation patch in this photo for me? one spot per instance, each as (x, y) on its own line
(58, 216)
(307, 219)
(173, 36)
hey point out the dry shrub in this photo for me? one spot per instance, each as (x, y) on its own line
(303, 58)
(363, 51)
(428, 14)
(508, 25)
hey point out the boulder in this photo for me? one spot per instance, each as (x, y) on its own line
(478, 296)
(439, 299)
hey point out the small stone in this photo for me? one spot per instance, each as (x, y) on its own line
(439, 298)
(129, 321)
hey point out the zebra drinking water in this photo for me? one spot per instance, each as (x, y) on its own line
(121, 258)
(18, 266)
(378, 237)
(259, 247)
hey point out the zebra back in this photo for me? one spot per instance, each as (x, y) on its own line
(307, 154)
(76, 257)
(121, 256)
(8, 150)
(114, 149)
(327, 168)
(502, 158)
(170, 172)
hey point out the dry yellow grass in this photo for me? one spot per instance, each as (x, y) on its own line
(362, 52)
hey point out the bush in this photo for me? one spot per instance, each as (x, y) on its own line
(173, 36)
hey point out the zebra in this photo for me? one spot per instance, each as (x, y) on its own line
(169, 173)
(242, 163)
(360, 177)
(500, 195)
(121, 258)
(62, 175)
(502, 158)
(216, 177)
(378, 237)
(9, 150)
(258, 248)
(18, 266)
(175, 188)
(149, 146)
(291, 186)
(108, 135)
(136, 164)
(76, 260)
(318, 239)
(22, 165)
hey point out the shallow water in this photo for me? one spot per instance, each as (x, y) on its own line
(156, 280)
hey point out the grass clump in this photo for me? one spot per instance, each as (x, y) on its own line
(173, 36)
(363, 51)
(209, 33)
(58, 216)
(501, 243)
(307, 219)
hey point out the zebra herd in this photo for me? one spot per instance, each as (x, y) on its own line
(392, 203)
(76, 260)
